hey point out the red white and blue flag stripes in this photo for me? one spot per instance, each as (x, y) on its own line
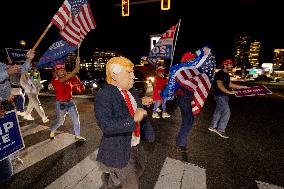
(164, 47)
(74, 19)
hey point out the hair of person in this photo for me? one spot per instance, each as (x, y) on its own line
(111, 66)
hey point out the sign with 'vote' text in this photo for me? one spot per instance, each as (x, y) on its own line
(11, 139)
(252, 91)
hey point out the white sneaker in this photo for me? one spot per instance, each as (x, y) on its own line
(165, 115)
(17, 161)
(80, 138)
(45, 119)
(159, 110)
(155, 115)
(21, 113)
(28, 117)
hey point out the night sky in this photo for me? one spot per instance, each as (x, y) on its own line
(202, 22)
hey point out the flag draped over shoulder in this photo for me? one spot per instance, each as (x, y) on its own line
(195, 76)
(74, 19)
(56, 53)
(164, 47)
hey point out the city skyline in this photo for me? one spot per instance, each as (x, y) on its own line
(215, 23)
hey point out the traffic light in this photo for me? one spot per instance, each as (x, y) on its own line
(125, 7)
(165, 4)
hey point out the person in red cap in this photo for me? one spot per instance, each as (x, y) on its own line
(159, 84)
(223, 87)
(64, 103)
(183, 99)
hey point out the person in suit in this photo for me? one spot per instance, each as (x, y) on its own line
(119, 111)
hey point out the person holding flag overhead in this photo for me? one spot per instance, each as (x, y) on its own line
(64, 103)
(190, 81)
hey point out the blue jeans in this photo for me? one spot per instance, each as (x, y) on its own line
(62, 108)
(184, 103)
(157, 103)
(20, 102)
(6, 169)
(221, 114)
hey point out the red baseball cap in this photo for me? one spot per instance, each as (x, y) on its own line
(59, 66)
(227, 62)
(188, 56)
(160, 69)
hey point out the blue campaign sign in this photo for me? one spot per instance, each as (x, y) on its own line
(11, 139)
(16, 55)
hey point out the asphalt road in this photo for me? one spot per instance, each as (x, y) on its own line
(254, 152)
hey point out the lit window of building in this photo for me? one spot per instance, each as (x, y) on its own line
(278, 59)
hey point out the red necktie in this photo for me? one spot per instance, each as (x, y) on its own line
(131, 110)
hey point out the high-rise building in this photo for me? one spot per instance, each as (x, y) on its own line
(98, 59)
(242, 46)
(278, 58)
(254, 53)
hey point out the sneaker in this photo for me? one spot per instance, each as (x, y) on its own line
(165, 115)
(155, 115)
(159, 110)
(45, 120)
(213, 130)
(17, 161)
(52, 135)
(28, 117)
(21, 113)
(222, 134)
(79, 138)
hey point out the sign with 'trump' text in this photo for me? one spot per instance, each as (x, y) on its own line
(252, 91)
(11, 139)
(16, 55)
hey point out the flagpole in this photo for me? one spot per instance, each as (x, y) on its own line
(175, 43)
(41, 37)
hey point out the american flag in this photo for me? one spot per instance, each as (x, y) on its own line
(198, 81)
(74, 19)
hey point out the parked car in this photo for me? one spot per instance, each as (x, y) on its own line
(93, 79)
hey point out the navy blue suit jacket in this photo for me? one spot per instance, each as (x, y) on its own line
(117, 125)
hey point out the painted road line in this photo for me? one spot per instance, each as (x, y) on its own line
(85, 175)
(32, 129)
(263, 185)
(39, 151)
(176, 174)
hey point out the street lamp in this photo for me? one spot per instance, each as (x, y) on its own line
(23, 43)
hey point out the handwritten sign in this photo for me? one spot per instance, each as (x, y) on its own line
(252, 91)
(11, 139)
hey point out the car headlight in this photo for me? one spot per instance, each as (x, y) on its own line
(152, 79)
(95, 85)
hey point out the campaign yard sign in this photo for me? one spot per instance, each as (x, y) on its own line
(252, 91)
(11, 139)
(16, 55)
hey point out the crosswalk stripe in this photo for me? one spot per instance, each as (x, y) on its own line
(32, 129)
(263, 185)
(39, 151)
(83, 175)
(176, 174)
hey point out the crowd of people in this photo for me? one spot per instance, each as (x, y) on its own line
(120, 113)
